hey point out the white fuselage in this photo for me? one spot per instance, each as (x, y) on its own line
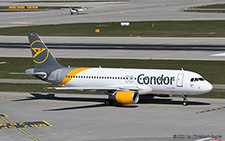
(148, 81)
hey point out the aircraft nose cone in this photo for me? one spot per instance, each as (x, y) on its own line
(208, 87)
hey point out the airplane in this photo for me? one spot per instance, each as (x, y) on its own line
(123, 86)
(76, 10)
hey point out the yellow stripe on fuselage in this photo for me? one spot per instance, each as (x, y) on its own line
(72, 73)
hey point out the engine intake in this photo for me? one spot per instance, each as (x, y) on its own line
(126, 97)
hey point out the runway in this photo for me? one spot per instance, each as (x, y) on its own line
(132, 10)
(84, 117)
(120, 47)
(65, 46)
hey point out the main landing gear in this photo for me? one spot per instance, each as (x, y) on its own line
(110, 101)
(185, 102)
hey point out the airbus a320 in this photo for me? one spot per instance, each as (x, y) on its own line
(121, 85)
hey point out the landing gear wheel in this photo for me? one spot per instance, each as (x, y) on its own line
(109, 102)
(185, 103)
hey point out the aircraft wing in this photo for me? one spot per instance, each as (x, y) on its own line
(116, 88)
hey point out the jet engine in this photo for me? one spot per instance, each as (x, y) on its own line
(126, 97)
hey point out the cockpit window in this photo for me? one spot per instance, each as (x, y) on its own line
(197, 79)
(201, 79)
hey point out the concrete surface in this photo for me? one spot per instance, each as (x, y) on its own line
(84, 117)
(141, 10)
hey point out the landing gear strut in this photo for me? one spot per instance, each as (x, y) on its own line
(110, 101)
(185, 102)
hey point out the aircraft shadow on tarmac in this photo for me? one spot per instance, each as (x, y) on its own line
(145, 99)
(142, 100)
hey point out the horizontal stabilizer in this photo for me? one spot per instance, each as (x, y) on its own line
(17, 73)
(27, 73)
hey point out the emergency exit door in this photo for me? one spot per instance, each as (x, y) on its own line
(180, 79)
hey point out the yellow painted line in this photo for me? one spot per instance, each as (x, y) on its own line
(24, 132)
(47, 123)
(8, 99)
(4, 119)
(177, 105)
(210, 110)
(26, 124)
(5, 137)
(17, 136)
(42, 134)
(3, 115)
(54, 134)
(12, 125)
(32, 137)
(89, 132)
(76, 132)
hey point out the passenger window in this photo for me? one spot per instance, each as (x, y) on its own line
(196, 79)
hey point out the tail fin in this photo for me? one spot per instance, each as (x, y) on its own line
(42, 57)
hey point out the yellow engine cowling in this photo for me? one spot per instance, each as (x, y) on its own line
(127, 97)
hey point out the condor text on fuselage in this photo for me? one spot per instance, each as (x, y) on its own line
(153, 80)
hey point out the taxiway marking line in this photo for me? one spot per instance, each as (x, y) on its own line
(210, 110)
(161, 104)
(7, 97)
(21, 130)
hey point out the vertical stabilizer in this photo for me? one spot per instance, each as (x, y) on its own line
(42, 57)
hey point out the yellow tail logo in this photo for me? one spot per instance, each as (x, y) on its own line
(38, 51)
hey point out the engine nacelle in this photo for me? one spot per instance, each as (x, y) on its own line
(126, 97)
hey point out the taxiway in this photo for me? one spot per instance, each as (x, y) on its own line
(132, 10)
(84, 117)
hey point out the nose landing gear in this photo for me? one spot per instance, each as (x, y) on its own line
(185, 102)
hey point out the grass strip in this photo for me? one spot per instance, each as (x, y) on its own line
(206, 11)
(114, 29)
(213, 6)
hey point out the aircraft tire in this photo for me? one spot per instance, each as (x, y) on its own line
(109, 102)
(185, 104)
